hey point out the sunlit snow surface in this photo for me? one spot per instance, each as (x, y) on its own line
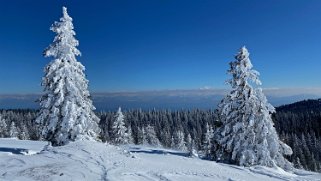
(86, 160)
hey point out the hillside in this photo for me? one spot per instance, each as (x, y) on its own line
(86, 160)
(302, 117)
(299, 125)
(305, 105)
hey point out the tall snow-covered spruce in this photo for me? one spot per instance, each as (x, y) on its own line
(247, 136)
(66, 109)
(3, 127)
(120, 135)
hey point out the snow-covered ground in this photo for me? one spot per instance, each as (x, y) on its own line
(86, 160)
(10, 146)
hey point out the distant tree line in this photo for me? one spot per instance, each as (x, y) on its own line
(19, 123)
(298, 125)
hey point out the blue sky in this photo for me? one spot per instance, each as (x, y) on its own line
(165, 44)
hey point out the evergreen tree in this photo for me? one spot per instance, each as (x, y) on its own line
(206, 143)
(150, 136)
(142, 137)
(120, 135)
(66, 109)
(189, 142)
(173, 145)
(306, 153)
(3, 127)
(247, 136)
(191, 146)
(24, 135)
(13, 131)
(313, 164)
(302, 158)
(180, 141)
(298, 164)
(130, 135)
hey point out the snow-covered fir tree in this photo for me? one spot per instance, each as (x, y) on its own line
(120, 135)
(151, 137)
(173, 145)
(66, 109)
(207, 141)
(3, 127)
(130, 135)
(189, 142)
(191, 146)
(298, 164)
(179, 140)
(13, 130)
(24, 135)
(142, 136)
(247, 136)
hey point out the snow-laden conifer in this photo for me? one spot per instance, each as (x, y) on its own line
(130, 135)
(3, 127)
(191, 146)
(173, 145)
(66, 109)
(13, 130)
(248, 136)
(120, 135)
(142, 136)
(151, 137)
(206, 142)
(24, 135)
(179, 140)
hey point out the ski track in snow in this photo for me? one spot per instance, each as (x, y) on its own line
(85, 160)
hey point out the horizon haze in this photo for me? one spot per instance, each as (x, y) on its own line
(163, 99)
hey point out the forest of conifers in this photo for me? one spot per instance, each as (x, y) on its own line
(298, 125)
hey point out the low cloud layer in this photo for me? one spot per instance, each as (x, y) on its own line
(165, 99)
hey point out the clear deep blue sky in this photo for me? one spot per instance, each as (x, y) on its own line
(164, 44)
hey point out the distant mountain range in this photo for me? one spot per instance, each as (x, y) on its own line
(164, 99)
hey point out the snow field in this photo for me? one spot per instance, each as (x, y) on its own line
(88, 160)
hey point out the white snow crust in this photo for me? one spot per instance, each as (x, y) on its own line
(89, 160)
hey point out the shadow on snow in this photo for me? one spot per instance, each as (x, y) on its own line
(16, 151)
(159, 152)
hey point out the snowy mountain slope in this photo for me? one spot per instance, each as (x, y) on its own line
(86, 160)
